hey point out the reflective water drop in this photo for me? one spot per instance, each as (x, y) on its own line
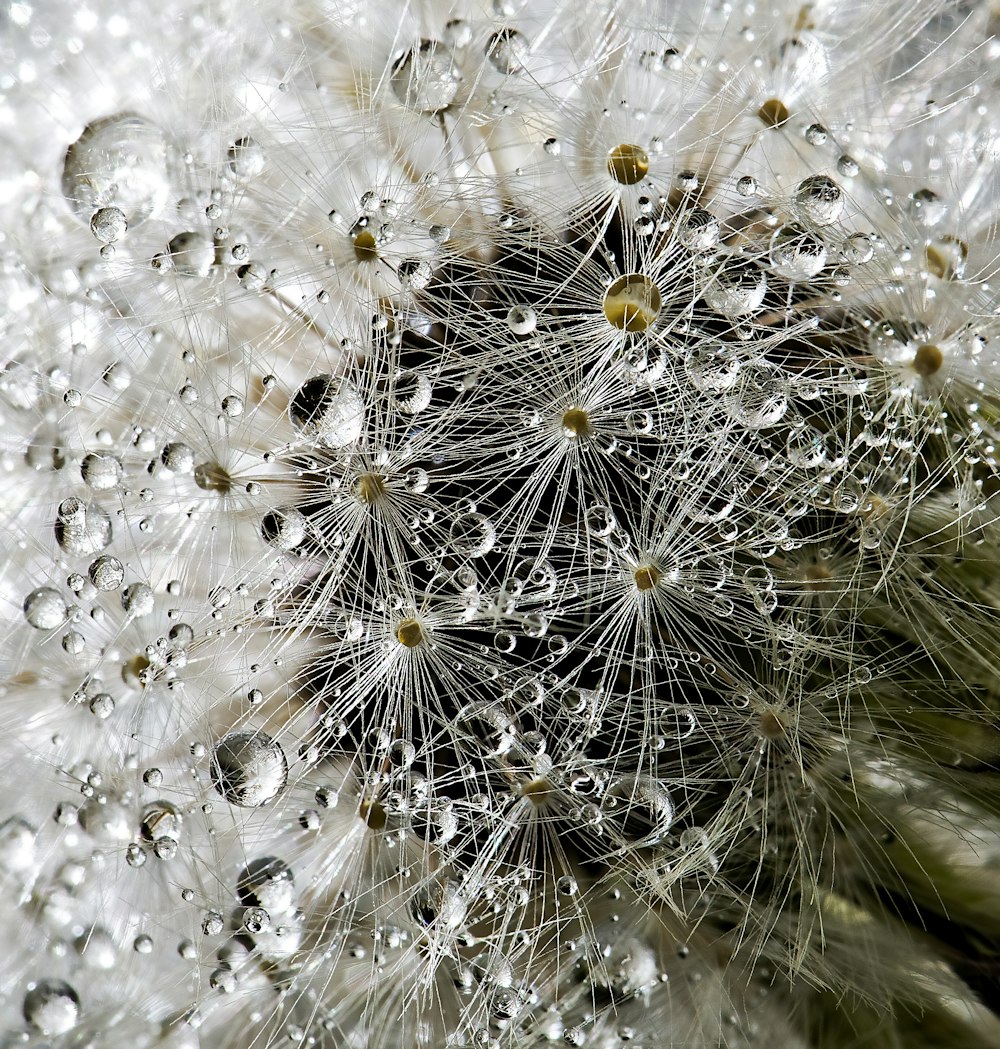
(796, 254)
(632, 302)
(711, 369)
(160, 819)
(51, 1007)
(121, 162)
(284, 528)
(17, 845)
(249, 768)
(746, 186)
(599, 520)
(760, 398)
(328, 409)
(641, 807)
(101, 472)
(700, 231)
(737, 288)
(267, 882)
(246, 158)
(858, 248)
(508, 50)
(426, 78)
(107, 573)
(521, 320)
(628, 164)
(108, 225)
(45, 609)
(138, 599)
(411, 392)
(472, 535)
(820, 199)
(192, 254)
(81, 529)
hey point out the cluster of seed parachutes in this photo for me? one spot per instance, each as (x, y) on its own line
(498, 625)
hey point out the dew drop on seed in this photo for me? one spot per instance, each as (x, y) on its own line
(51, 1007)
(245, 158)
(81, 529)
(178, 457)
(192, 254)
(521, 320)
(107, 573)
(108, 225)
(815, 134)
(796, 254)
(117, 162)
(426, 78)
(160, 819)
(472, 535)
(599, 520)
(700, 230)
(284, 528)
(328, 409)
(632, 302)
(858, 248)
(820, 199)
(101, 472)
(414, 273)
(746, 186)
(138, 599)
(507, 50)
(411, 392)
(737, 288)
(45, 609)
(267, 882)
(249, 768)
(17, 845)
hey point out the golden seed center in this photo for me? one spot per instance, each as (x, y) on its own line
(370, 488)
(628, 164)
(576, 423)
(928, 359)
(632, 303)
(773, 113)
(647, 576)
(409, 633)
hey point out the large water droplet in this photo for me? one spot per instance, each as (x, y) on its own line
(328, 409)
(118, 162)
(426, 78)
(249, 768)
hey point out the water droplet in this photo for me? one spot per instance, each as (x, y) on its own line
(796, 254)
(51, 1007)
(17, 845)
(426, 78)
(178, 458)
(599, 520)
(700, 231)
(815, 134)
(82, 529)
(45, 609)
(108, 225)
(101, 472)
(138, 599)
(858, 248)
(117, 162)
(249, 768)
(107, 573)
(329, 410)
(411, 392)
(632, 302)
(191, 254)
(522, 320)
(246, 158)
(737, 288)
(746, 186)
(820, 199)
(284, 528)
(508, 50)
(472, 535)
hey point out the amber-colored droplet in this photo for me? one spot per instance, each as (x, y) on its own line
(632, 303)
(628, 164)
(647, 576)
(576, 423)
(370, 488)
(928, 359)
(773, 113)
(409, 633)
